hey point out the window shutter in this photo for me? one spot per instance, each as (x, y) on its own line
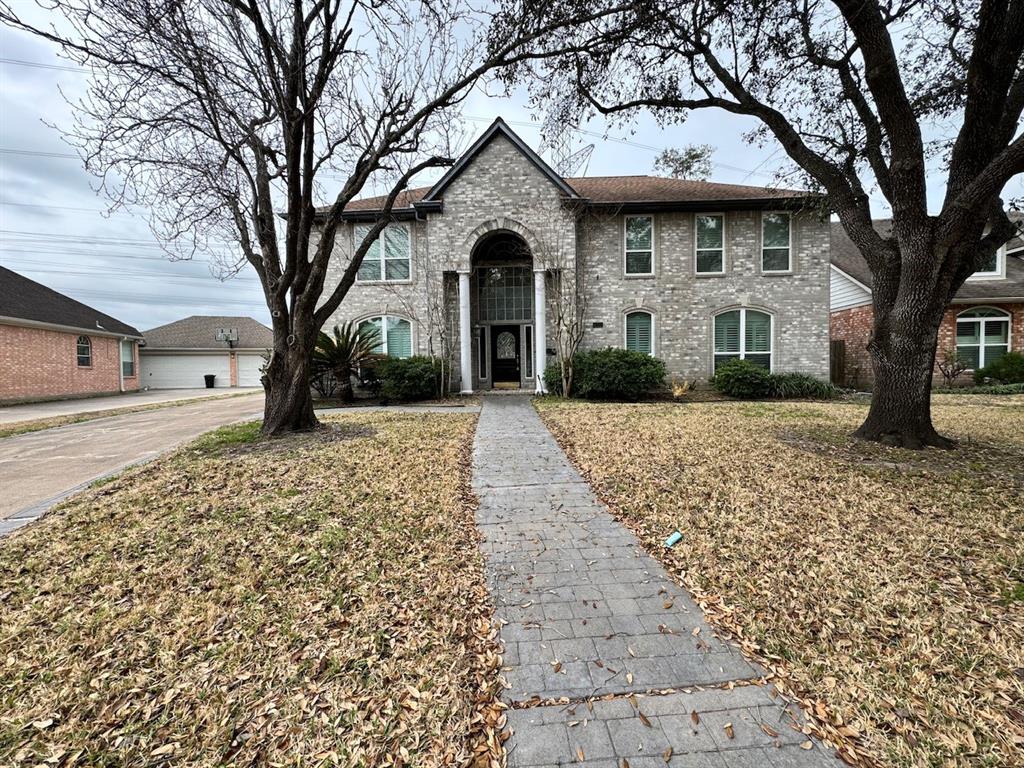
(758, 332)
(399, 338)
(727, 332)
(638, 332)
(370, 326)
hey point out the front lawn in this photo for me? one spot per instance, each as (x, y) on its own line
(315, 600)
(885, 587)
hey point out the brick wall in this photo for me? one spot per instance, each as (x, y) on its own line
(40, 363)
(853, 326)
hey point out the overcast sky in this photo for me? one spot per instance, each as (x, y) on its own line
(52, 228)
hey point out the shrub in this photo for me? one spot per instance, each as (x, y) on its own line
(1008, 369)
(553, 378)
(615, 374)
(409, 378)
(795, 385)
(992, 389)
(742, 379)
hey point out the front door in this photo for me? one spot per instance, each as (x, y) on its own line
(505, 356)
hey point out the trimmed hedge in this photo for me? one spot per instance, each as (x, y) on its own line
(993, 389)
(404, 379)
(609, 374)
(746, 381)
(1008, 369)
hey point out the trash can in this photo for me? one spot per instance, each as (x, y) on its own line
(209, 380)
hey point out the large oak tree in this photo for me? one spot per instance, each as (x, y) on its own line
(861, 95)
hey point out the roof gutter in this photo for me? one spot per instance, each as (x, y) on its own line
(67, 328)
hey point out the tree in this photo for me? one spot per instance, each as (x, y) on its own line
(860, 95)
(691, 162)
(340, 354)
(226, 117)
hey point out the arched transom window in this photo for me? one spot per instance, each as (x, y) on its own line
(744, 334)
(394, 333)
(982, 336)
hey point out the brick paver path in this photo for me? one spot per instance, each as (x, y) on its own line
(586, 612)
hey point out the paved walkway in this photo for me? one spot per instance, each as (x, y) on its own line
(586, 613)
(10, 414)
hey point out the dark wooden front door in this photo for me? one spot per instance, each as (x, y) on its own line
(505, 355)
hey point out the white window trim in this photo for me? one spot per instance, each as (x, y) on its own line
(383, 261)
(88, 343)
(626, 251)
(695, 217)
(654, 327)
(1006, 317)
(1000, 271)
(743, 336)
(789, 270)
(382, 316)
(528, 359)
(131, 358)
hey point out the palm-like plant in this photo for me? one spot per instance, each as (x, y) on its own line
(341, 354)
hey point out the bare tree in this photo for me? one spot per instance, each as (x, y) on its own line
(849, 89)
(227, 117)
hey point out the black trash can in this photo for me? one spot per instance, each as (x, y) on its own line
(209, 380)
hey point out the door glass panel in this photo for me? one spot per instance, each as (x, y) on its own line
(506, 346)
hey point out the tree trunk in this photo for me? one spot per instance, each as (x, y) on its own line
(289, 400)
(902, 351)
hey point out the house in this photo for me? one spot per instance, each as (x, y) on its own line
(52, 346)
(180, 354)
(692, 272)
(984, 321)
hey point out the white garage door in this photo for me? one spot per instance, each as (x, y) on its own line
(249, 372)
(183, 371)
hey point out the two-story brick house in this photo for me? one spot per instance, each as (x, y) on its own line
(694, 273)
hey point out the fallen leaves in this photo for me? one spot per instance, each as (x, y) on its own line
(322, 601)
(879, 587)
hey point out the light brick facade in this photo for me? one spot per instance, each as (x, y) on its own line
(502, 190)
(42, 363)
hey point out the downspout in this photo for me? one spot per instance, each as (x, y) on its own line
(120, 365)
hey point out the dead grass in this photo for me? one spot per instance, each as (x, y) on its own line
(309, 601)
(882, 586)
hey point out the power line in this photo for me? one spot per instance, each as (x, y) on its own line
(36, 153)
(40, 65)
(70, 208)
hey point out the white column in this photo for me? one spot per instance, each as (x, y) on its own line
(540, 324)
(465, 334)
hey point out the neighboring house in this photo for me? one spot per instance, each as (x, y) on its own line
(52, 346)
(180, 354)
(984, 321)
(692, 272)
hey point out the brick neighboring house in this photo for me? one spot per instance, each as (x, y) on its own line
(692, 272)
(52, 346)
(984, 320)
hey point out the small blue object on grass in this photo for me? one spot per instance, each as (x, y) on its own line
(674, 539)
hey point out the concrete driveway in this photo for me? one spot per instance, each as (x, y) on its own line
(38, 469)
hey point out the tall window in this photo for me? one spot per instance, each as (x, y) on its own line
(640, 332)
(982, 336)
(388, 257)
(395, 335)
(505, 293)
(127, 358)
(83, 349)
(710, 243)
(775, 242)
(639, 245)
(743, 334)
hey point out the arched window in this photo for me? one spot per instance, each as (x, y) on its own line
(395, 335)
(744, 334)
(83, 349)
(982, 336)
(640, 332)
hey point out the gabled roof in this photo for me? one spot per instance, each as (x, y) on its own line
(847, 257)
(24, 299)
(498, 128)
(200, 332)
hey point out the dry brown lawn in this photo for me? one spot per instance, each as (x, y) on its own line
(316, 600)
(884, 587)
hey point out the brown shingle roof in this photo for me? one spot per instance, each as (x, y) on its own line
(847, 257)
(24, 299)
(200, 332)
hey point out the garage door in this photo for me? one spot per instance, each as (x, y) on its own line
(183, 371)
(249, 370)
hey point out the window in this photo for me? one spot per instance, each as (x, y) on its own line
(528, 355)
(640, 332)
(994, 267)
(127, 358)
(395, 335)
(743, 334)
(388, 256)
(775, 242)
(982, 336)
(505, 294)
(83, 348)
(482, 352)
(710, 229)
(639, 245)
